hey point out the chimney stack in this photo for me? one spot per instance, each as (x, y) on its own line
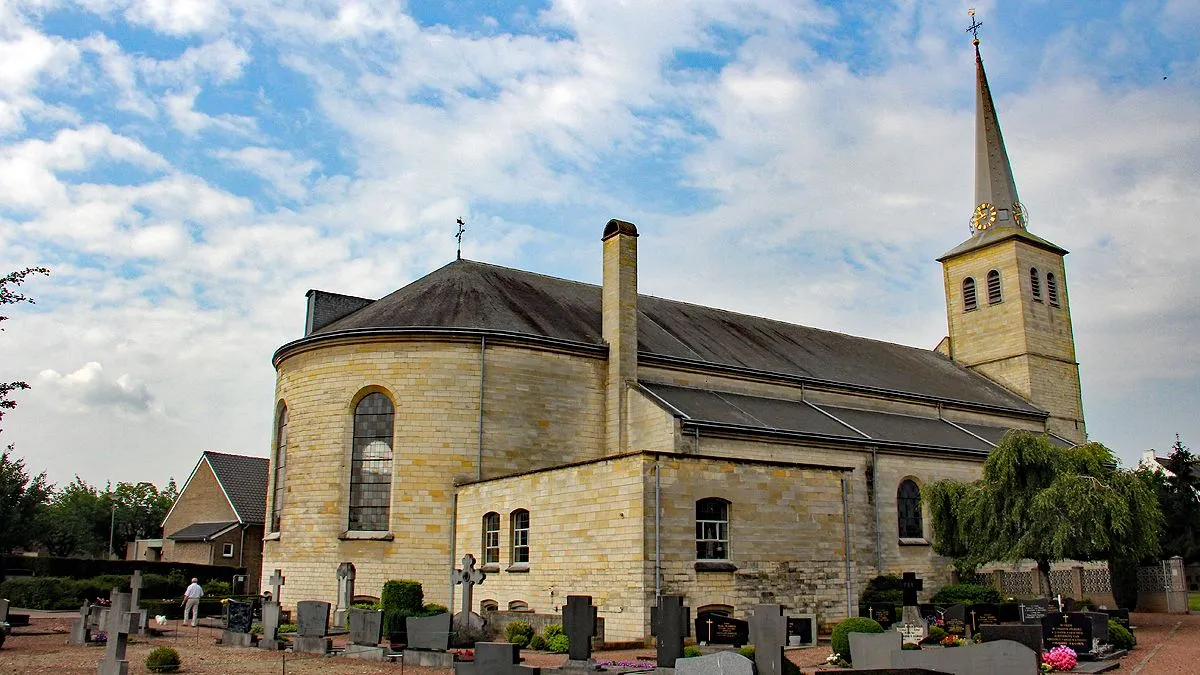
(619, 308)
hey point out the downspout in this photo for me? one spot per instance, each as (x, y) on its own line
(846, 535)
(657, 533)
(453, 526)
(875, 498)
(482, 364)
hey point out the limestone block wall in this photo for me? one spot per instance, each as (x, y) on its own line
(651, 427)
(585, 538)
(202, 502)
(540, 408)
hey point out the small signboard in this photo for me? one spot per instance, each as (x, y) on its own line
(716, 629)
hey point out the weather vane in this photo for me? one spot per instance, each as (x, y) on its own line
(973, 29)
(462, 227)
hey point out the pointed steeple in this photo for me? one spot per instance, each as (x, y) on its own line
(996, 202)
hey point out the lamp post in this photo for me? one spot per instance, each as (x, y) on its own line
(112, 526)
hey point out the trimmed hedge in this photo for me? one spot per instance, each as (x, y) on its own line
(967, 594)
(840, 640)
(1119, 636)
(520, 632)
(66, 593)
(400, 599)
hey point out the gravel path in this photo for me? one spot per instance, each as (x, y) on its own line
(1167, 645)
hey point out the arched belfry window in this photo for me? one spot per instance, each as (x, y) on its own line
(371, 464)
(280, 464)
(908, 505)
(1052, 289)
(969, 300)
(994, 290)
(712, 529)
(491, 539)
(1035, 284)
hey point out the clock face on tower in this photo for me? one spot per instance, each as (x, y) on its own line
(984, 216)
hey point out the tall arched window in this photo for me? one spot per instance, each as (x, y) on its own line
(994, 291)
(969, 301)
(1052, 288)
(491, 539)
(519, 524)
(371, 464)
(1035, 284)
(712, 529)
(908, 504)
(280, 464)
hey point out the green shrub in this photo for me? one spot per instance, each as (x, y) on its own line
(966, 594)
(559, 644)
(538, 643)
(883, 589)
(519, 632)
(214, 587)
(840, 640)
(433, 608)
(162, 660)
(910, 646)
(690, 651)
(367, 605)
(552, 630)
(747, 651)
(1119, 636)
(936, 633)
(400, 599)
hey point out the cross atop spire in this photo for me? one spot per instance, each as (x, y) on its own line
(973, 29)
(996, 202)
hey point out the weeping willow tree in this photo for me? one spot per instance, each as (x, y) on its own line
(1039, 502)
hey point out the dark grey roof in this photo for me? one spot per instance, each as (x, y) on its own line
(201, 531)
(835, 423)
(472, 295)
(994, 235)
(244, 480)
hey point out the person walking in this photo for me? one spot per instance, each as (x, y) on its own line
(191, 601)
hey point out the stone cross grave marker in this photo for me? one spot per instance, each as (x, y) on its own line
(467, 577)
(135, 600)
(270, 621)
(80, 630)
(120, 623)
(579, 623)
(276, 582)
(768, 633)
(910, 584)
(3, 610)
(669, 622)
(913, 625)
(345, 594)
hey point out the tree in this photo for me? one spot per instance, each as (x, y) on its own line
(8, 296)
(21, 497)
(138, 511)
(76, 521)
(1179, 499)
(1041, 502)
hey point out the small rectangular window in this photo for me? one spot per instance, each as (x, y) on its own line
(519, 523)
(227, 551)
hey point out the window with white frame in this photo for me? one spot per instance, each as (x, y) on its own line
(227, 551)
(519, 525)
(491, 539)
(712, 529)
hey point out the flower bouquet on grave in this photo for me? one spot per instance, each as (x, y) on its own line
(1060, 658)
(952, 641)
(463, 654)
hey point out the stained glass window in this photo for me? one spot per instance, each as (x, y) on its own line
(280, 463)
(371, 464)
(908, 503)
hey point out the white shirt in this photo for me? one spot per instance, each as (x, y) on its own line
(194, 591)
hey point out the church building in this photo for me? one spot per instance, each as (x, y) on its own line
(582, 439)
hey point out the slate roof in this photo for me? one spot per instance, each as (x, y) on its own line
(471, 295)
(201, 531)
(993, 235)
(244, 480)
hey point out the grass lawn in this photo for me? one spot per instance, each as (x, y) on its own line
(1194, 602)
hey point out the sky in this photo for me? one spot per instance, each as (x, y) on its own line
(188, 169)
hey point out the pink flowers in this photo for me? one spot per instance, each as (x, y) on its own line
(1060, 658)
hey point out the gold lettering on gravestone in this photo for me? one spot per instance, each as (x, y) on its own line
(726, 630)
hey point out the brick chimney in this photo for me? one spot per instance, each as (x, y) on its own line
(619, 308)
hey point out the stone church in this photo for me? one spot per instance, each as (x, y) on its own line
(582, 439)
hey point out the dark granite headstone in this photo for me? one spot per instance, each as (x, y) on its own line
(239, 617)
(1027, 634)
(1070, 605)
(884, 613)
(716, 629)
(768, 632)
(366, 627)
(1099, 625)
(983, 614)
(955, 620)
(495, 658)
(579, 623)
(1033, 611)
(1010, 612)
(1068, 629)
(1002, 657)
(428, 632)
(669, 624)
(910, 584)
(802, 629)
(1121, 616)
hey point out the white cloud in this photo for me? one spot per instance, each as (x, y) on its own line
(181, 108)
(287, 173)
(178, 17)
(90, 391)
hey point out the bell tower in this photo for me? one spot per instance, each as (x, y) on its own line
(1006, 288)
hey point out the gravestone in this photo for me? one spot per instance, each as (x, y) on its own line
(913, 633)
(271, 614)
(120, 624)
(97, 617)
(768, 632)
(1099, 626)
(1068, 604)
(239, 617)
(1002, 657)
(911, 585)
(717, 629)
(276, 584)
(579, 623)
(873, 650)
(1026, 634)
(1121, 616)
(4, 603)
(1068, 629)
(80, 632)
(428, 632)
(312, 625)
(135, 601)
(1010, 612)
(495, 658)
(884, 613)
(1035, 610)
(954, 620)
(802, 630)
(983, 614)
(366, 632)
(913, 625)
(468, 576)
(345, 593)
(720, 663)
(669, 624)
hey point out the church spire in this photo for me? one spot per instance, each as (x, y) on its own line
(996, 203)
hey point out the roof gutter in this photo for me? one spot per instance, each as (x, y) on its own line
(737, 430)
